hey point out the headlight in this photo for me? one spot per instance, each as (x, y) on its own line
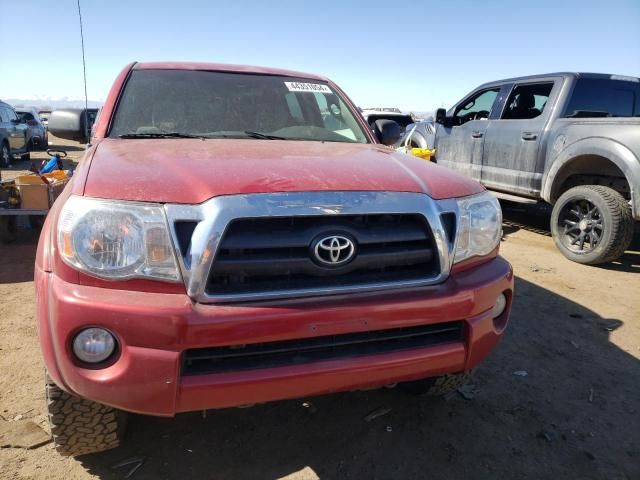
(116, 240)
(479, 226)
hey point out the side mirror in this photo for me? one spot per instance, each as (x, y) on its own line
(16, 121)
(70, 124)
(387, 132)
(441, 116)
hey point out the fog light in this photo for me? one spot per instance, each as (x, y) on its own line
(499, 306)
(94, 345)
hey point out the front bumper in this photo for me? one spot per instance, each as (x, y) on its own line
(154, 330)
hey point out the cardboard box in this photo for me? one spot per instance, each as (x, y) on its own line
(35, 194)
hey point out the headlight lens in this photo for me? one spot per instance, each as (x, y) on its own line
(479, 226)
(116, 240)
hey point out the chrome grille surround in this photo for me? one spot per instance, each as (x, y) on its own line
(214, 215)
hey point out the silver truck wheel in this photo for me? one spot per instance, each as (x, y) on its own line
(81, 426)
(592, 224)
(436, 386)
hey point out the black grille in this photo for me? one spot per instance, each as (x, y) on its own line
(294, 352)
(264, 255)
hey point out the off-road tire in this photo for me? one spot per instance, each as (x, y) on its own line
(79, 426)
(436, 386)
(618, 224)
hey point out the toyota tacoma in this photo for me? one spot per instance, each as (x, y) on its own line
(237, 235)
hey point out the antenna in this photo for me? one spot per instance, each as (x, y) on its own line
(84, 71)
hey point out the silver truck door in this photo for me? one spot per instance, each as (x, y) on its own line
(459, 144)
(512, 160)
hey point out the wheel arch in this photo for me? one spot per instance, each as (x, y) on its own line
(418, 139)
(598, 157)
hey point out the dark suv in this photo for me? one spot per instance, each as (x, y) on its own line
(13, 135)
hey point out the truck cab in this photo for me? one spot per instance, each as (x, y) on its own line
(534, 138)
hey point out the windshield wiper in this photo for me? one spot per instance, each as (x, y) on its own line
(263, 136)
(160, 135)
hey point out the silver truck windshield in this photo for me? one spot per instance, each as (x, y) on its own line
(185, 103)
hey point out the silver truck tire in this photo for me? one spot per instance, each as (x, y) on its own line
(592, 224)
(5, 155)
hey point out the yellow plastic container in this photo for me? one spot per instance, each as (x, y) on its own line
(424, 153)
(56, 176)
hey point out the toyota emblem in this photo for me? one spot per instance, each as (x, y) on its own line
(333, 250)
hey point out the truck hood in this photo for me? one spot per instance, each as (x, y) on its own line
(192, 170)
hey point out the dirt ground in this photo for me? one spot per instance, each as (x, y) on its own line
(575, 414)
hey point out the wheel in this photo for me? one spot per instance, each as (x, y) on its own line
(436, 386)
(8, 228)
(81, 426)
(592, 224)
(5, 155)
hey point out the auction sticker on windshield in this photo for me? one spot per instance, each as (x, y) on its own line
(307, 87)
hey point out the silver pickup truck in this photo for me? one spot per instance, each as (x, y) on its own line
(569, 139)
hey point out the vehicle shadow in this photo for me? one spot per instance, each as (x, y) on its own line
(536, 218)
(570, 411)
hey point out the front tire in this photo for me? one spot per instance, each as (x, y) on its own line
(79, 426)
(437, 386)
(5, 155)
(592, 224)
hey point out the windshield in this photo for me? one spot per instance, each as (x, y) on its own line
(184, 103)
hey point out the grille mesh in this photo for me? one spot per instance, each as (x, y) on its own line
(270, 254)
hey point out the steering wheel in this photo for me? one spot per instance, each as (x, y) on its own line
(480, 114)
(56, 153)
(467, 117)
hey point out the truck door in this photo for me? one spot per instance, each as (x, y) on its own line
(459, 143)
(512, 160)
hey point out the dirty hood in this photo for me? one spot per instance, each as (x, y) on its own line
(192, 170)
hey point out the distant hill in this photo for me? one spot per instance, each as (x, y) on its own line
(49, 103)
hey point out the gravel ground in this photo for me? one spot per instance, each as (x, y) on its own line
(575, 331)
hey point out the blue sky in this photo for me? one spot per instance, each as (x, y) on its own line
(416, 55)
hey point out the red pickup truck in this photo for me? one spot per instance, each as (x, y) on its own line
(237, 235)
